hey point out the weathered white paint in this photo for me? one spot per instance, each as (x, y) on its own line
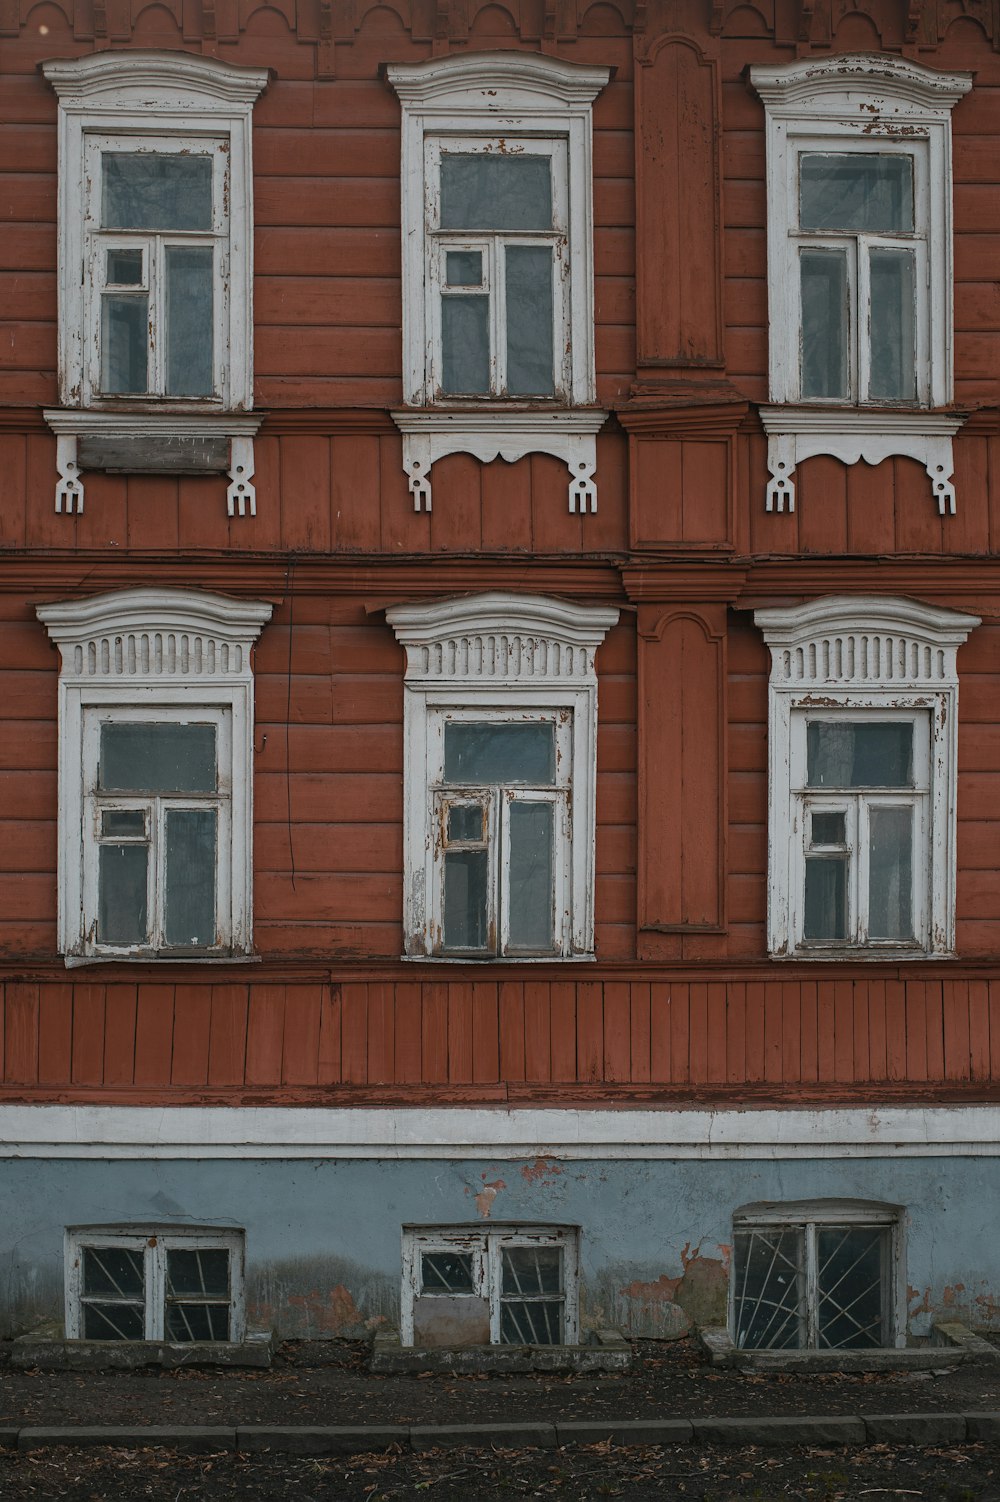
(496, 1133)
(847, 656)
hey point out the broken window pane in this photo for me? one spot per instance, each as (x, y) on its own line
(466, 875)
(446, 1272)
(495, 191)
(893, 326)
(124, 268)
(122, 915)
(850, 1285)
(890, 901)
(144, 757)
(826, 898)
(823, 276)
(530, 899)
(487, 753)
(125, 344)
(190, 881)
(189, 320)
(465, 346)
(529, 320)
(843, 754)
(769, 1289)
(153, 191)
(860, 191)
(464, 268)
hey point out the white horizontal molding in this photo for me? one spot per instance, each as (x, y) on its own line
(873, 88)
(153, 82)
(489, 434)
(496, 1133)
(797, 433)
(497, 83)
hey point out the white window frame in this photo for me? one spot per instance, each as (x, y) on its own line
(154, 654)
(499, 656)
(866, 104)
(154, 1241)
(485, 1244)
(807, 1217)
(863, 657)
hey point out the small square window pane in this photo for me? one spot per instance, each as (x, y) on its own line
(114, 1271)
(153, 757)
(199, 1270)
(828, 828)
(893, 326)
(125, 344)
(465, 346)
(825, 345)
(114, 1322)
(189, 320)
(532, 1270)
(124, 268)
(890, 873)
(123, 821)
(464, 268)
(184, 1323)
(154, 191)
(190, 883)
(466, 876)
(860, 191)
(538, 1323)
(488, 753)
(850, 1279)
(530, 899)
(529, 320)
(122, 914)
(769, 1288)
(495, 191)
(466, 822)
(825, 898)
(845, 754)
(446, 1272)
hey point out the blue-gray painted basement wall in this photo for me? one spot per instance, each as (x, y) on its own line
(323, 1237)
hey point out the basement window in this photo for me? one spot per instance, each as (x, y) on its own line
(510, 1285)
(145, 1283)
(815, 1277)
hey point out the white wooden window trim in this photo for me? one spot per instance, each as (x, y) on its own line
(486, 1248)
(860, 656)
(861, 103)
(153, 654)
(493, 656)
(808, 1218)
(154, 1242)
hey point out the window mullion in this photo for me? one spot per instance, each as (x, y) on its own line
(498, 316)
(495, 1282)
(812, 1286)
(157, 315)
(859, 317)
(153, 1268)
(499, 863)
(860, 882)
(157, 869)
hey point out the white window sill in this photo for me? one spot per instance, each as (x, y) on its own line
(496, 959)
(74, 961)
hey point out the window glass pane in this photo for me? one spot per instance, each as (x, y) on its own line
(466, 874)
(828, 829)
(446, 1272)
(860, 191)
(845, 755)
(529, 1270)
(122, 916)
(124, 344)
(495, 192)
(465, 346)
(124, 268)
(890, 874)
(826, 898)
(892, 324)
(187, 1322)
(529, 320)
(465, 822)
(119, 821)
(113, 1270)
(500, 753)
(464, 268)
(157, 758)
(203, 1270)
(823, 276)
(190, 886)
(147, 190)
(189, 320)
(536, 1324)
(850, 1285)
(530, 896)
(769, 1289)
(114, 1322)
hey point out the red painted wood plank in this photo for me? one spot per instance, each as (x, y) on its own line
(808, 1045)
(791, 1032)
(511, 1003)
(154, 1034)
(192, 1021)
(354, 1035)
(639, 1036)
(826, 1032)
(485, 1033)
(434, 1032)
(916, 1031)
(876, 1029)
(715, 1039)
(459, 1034)
(537, 1031)
(895, 1030)
(227, 1039)
(119, 1035)
(328, 1065)
(300, 1045)
(409, 1023)
(755, 1030)
(564, 1002)
(994, 990)
(736, 1032)
(88, 1035)
(382, 1033)
(773, 1024)
(617, 1032)
(957, 1051)
(265, 1030)
(843, 1030)
(698, 1033)
(55, 1033)
(862, 1055)
(935, 1030)
(659, 1033)
(979, 1029)
(590, 1030)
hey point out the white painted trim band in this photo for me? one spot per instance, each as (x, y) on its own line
(494, 1133)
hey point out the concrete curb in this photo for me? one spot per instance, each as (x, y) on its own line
(309, 1439)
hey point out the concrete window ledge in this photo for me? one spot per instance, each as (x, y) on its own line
(721, 1351)
(608, 1351)
(54, 1354)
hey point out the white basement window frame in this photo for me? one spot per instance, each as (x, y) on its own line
(859, 225)
(818, 1275)
(476, 379)
(522, 669)
(176, 1284)
(526, 1275)
(862, 762)
(147, 673)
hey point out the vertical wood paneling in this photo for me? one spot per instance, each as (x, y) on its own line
(680, 1032)
(791, 1032)
(563, 1031)
(736, 1033)
(460, 1034)
(825, 1030)
(434, 1032)
(935, 1030)
(328, 1065)
(88, 1035)
(639, 1032)
(660, 1056)
(590, 1030)
(55, 1034)
(876, 1029)
(698, 1033)
(300, 1045)
(979, 1029)
(192, 1022)
(843, 1030)
(227, 1042)
(511, 1003)
(773, 1033)
(809, 1042)
(916, 1031)
(485, 1033)
(382, 1034)
(955, 1001)
(154, 1035)
(755, 1031)
(617, 1032)
(409, 1025)
(354, 1035)
(895, 1030)
(119, 1036)
(265, 1031)
(537, 1031)
(859, 1029)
